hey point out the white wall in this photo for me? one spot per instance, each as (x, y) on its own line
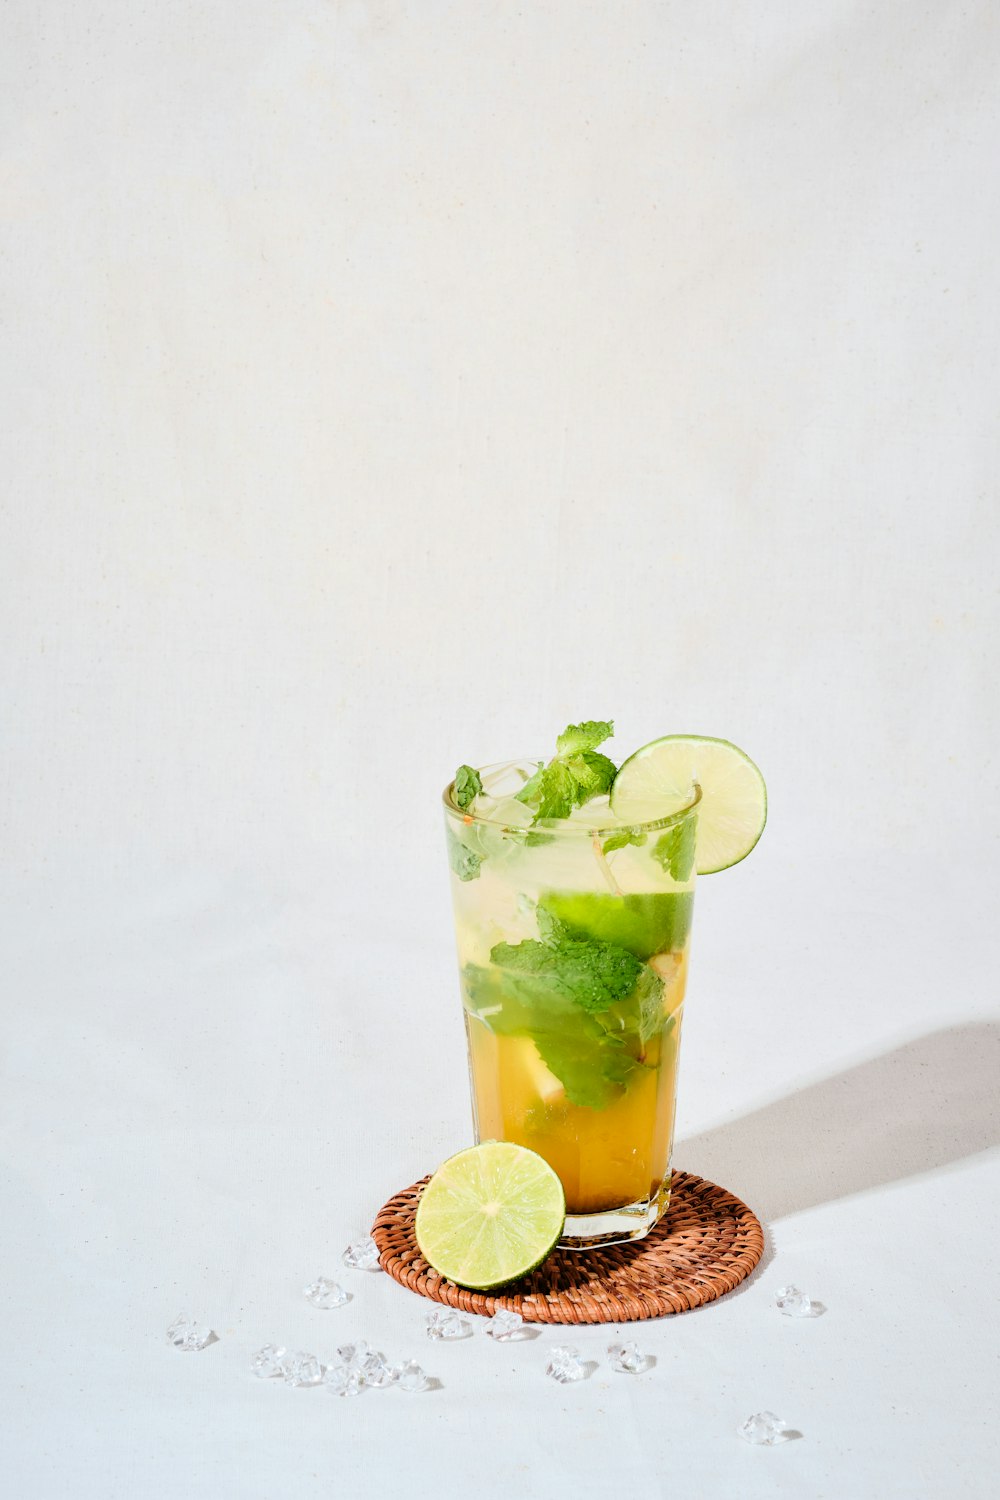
(386, 384)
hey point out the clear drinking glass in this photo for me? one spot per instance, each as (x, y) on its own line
(573, 946)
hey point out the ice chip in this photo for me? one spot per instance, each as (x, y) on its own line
(184, 1333)
(301, 1369)
(325, 1293)
(628, 1359)
(505, 1324)
(267, 1361)
(446, 1323)
(795, 1304)
(353, 1354)
(565, 1365)
(763, 1428)
(375, 1371)
(410, 1377)
(343, 1380)
(362, 1255)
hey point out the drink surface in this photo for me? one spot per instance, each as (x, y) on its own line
(573, 943)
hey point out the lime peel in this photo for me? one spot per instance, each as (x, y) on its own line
(733, 807)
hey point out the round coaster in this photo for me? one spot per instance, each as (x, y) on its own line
(705, 1245)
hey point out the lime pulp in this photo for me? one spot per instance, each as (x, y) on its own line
(733, 807)
(490, 1214)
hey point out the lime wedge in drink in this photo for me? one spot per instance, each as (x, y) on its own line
(733, 809)
(645, 924)
(490, 1214)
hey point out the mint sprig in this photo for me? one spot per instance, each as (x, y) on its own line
(577, 771)
(589, 1006)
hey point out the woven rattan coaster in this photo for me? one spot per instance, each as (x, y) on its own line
(705, 1245)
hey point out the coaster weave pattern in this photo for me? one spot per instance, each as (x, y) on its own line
(706, 1244)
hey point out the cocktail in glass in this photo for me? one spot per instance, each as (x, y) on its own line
(573, 937)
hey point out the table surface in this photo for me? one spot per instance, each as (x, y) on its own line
(189, 1130)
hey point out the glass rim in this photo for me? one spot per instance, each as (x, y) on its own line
(562, 827)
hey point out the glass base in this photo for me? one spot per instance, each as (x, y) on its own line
(616, 1225)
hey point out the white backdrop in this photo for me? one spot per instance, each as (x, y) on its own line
(384, 385)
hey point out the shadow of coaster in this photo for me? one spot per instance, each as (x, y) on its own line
(704, 1246)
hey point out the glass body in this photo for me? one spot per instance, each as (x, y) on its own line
(573, 956)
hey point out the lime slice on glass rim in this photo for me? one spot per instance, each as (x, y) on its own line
(733, 807)
(490, 1214)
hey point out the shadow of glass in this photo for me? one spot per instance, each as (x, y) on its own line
(919, 1108)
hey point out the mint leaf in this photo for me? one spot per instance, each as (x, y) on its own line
(530, 838)
(649, 999)
(557, 793)
(591, 1064)
(622, 840)
(591, 975)
(465, 862)
(576, 738)
(468, 785)
(551, 930)
(589, 1006)
(576, 772)
(674, 850)
(594, 1070)
(531, 790)
(593, 774)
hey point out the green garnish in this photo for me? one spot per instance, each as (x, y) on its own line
(590, 1007)
(655, 922)
(622, 840)
(675, 849)
(468, 785)
(465, 862)
(577, 771)
(578, 738)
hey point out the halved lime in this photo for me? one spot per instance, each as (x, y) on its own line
(733, 808)
(490, 1214)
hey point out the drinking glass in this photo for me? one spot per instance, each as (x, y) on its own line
(573, 938)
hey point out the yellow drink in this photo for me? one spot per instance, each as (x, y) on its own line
(606, 1158)
(573, 956)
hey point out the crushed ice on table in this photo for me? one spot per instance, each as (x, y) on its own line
(343, 1380)
(325, 1293)
(446, 1323)
(376, 1371)
(565, 1365)
(267, 1361)
(353, 1354)
(369, 1364)
(795, 1304)
(410, 1377)
(763, 1429)
(628, 1359)
(184, 1333)
(505, 1324)
(301, 1369)
(362, 1255)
